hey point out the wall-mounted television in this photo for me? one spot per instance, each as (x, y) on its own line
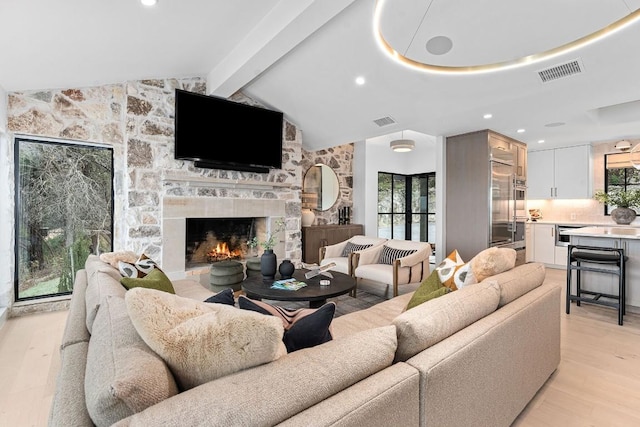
(218, 133)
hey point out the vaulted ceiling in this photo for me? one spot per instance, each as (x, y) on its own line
(303, 56)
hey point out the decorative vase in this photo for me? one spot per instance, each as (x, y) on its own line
(286, 269)
(268, 264)
(623, 215)
(307, 217)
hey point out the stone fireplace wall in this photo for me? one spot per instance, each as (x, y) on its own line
(137, 118)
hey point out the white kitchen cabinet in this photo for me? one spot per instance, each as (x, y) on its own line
(544, 243)
(561, 173)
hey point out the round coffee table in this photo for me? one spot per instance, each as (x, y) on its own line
(257, 288)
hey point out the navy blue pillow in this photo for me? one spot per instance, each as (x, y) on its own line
(222, 297)
(303, 327)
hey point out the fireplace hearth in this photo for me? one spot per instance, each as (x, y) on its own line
(210, 240)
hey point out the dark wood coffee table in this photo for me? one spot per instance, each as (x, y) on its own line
(257, 288)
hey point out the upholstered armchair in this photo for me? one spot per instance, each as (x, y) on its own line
(342, 253)
(394, 263)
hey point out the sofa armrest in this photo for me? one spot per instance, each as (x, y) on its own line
(417, 257)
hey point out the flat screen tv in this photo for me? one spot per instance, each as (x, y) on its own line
(218, 133)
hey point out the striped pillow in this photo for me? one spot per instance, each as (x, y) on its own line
(352, 247)
(391, 254)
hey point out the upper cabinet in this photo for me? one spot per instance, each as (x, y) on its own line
(561, 173)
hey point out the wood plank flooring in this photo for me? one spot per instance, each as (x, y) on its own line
(596, 384)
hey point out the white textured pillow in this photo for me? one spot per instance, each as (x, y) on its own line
(201, 342)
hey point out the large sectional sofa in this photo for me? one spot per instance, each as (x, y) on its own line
(473, 357)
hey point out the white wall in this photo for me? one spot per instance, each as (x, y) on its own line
(373, 156)
(3, 110)
(6, 212)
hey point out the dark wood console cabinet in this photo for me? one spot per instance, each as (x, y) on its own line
(323, 235)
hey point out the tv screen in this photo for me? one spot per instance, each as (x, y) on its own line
(217, 133)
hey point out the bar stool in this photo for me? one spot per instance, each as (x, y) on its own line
(614, 257)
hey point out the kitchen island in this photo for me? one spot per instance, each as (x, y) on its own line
(625, 237)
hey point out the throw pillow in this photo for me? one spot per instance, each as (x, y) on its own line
(222, 297)
(156, 279)
(490, 262)
(112, 258)
(303, 327)
(352, 247)
(390, 254)
(430, 288)
(201, 342)
(139, 269)
(447, 269)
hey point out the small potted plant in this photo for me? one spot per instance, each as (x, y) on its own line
(625, 202)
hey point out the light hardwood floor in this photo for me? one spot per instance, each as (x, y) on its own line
(596, 384)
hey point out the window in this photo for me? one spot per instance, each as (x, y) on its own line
(619, 174)
(64, 212)
(406, 206)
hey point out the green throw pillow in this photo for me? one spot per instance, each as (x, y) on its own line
(430, 288)
(156, 279)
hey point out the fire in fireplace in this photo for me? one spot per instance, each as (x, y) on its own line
(211, 240)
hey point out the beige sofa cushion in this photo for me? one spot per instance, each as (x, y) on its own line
(68, 407)
(435, 320)
(102, 282)
(272, 393)
(518, 281)
(75, 330)
(123, 375)
(199, 341)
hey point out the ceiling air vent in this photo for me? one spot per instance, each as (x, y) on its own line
(384, 121)
(559, 71)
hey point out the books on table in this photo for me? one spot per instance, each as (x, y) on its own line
(292, 284)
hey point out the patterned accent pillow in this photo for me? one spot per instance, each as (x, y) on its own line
(447, 269)
(139, 269)
(352, 247)
(303, 327)
(391, 254)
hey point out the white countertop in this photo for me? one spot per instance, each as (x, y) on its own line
(619, 232)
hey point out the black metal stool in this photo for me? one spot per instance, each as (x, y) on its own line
(615, 257)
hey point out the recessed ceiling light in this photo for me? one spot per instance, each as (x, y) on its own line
(520, 131)
(360, 80)
(439, 45)
(540, 141)
(149, 2)
(487, 116)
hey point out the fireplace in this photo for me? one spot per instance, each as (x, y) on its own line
(211, 240)
(177, 210)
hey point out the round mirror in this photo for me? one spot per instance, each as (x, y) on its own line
(320, 188)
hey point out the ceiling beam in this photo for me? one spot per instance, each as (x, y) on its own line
(282, 29)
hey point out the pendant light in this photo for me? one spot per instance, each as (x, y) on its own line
(402, 145)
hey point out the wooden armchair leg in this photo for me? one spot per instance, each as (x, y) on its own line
(354, 291)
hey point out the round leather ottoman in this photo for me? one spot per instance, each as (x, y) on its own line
(226, 274)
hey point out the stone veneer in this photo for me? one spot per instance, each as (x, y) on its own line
(136, 118)
(340, 159)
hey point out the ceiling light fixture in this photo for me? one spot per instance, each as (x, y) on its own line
(541, 141)
(598, 35)
(520, 131)
(402, 145)
(623, 145)
(149, 2)
(360, 80)
(487, 116)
